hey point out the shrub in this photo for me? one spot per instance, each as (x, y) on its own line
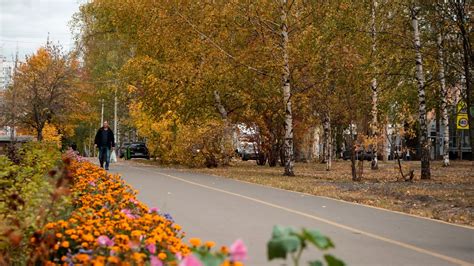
(29, 197)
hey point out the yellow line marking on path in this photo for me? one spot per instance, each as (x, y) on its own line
(351, 229)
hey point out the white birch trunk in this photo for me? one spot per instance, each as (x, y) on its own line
(424, 142)
(374, 124)
(226, 143)
(444, 107)
(327, 142)
(286, 87)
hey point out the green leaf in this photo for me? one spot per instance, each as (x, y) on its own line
(316, 263)
(319, 240)
(281, 231)
(279, 247)
(333, 261)
(209, 259)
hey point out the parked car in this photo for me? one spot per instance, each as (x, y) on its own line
(359, 156)
(247, 151)
(137, 150)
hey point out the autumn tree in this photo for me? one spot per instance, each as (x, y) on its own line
(42, 88)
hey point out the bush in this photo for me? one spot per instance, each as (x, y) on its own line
(29, 197)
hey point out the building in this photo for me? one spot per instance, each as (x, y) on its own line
(6, 72)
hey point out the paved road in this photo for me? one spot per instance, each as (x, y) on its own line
(220, 209)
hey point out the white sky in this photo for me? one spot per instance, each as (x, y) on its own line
(26, 23)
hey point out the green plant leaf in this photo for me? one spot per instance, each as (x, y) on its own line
(281, 246)
(319, 240)
(315, 263)
(209, 259)
(333, 261)
(281, 231)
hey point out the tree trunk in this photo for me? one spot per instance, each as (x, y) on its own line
(424, 141)
(286, 87)
(374, 123)
(227, 129)
(39, 133)
(327, 141)
(467, 76)
(353, 154)
(462, 21)
(444, 105)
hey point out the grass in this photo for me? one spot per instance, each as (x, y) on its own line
(448, 196)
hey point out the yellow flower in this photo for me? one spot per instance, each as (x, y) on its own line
(162, 256)
(113, 259)
(224, 250)
(82, 257)
(88, 237)
(65, 244)
(195, 241)
(210, 244)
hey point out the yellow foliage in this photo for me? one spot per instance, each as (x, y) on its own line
(51, 134)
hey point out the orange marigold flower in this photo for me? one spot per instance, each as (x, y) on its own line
(195, 241)
(210, 244)
(59, 235)
(65, 244)
(162, 256)
(224, 249)
(85, 244)
(82, 257)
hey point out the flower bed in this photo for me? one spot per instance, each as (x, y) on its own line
(110, 226)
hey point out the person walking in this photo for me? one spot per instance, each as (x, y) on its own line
(104, 140)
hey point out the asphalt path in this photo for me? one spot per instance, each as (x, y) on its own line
(223, 210)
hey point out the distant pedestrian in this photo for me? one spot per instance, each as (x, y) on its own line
(104, 140)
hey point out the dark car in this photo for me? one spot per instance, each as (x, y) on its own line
(359, 156)
(137, 150)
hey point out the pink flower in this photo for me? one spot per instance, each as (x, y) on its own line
(105, 241)
(151, 248)
(190, 260)
(154, 209)
(238, 251)
(128, 213)
(154, 261)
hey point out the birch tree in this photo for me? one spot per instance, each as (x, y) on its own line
(443, 95)
(420, 78)
(286, 88)
(374, 122)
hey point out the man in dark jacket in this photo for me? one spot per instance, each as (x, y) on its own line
(104, 140)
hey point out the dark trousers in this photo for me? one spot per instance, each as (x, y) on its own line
(104, 156)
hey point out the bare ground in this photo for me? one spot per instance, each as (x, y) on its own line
(448, 196)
